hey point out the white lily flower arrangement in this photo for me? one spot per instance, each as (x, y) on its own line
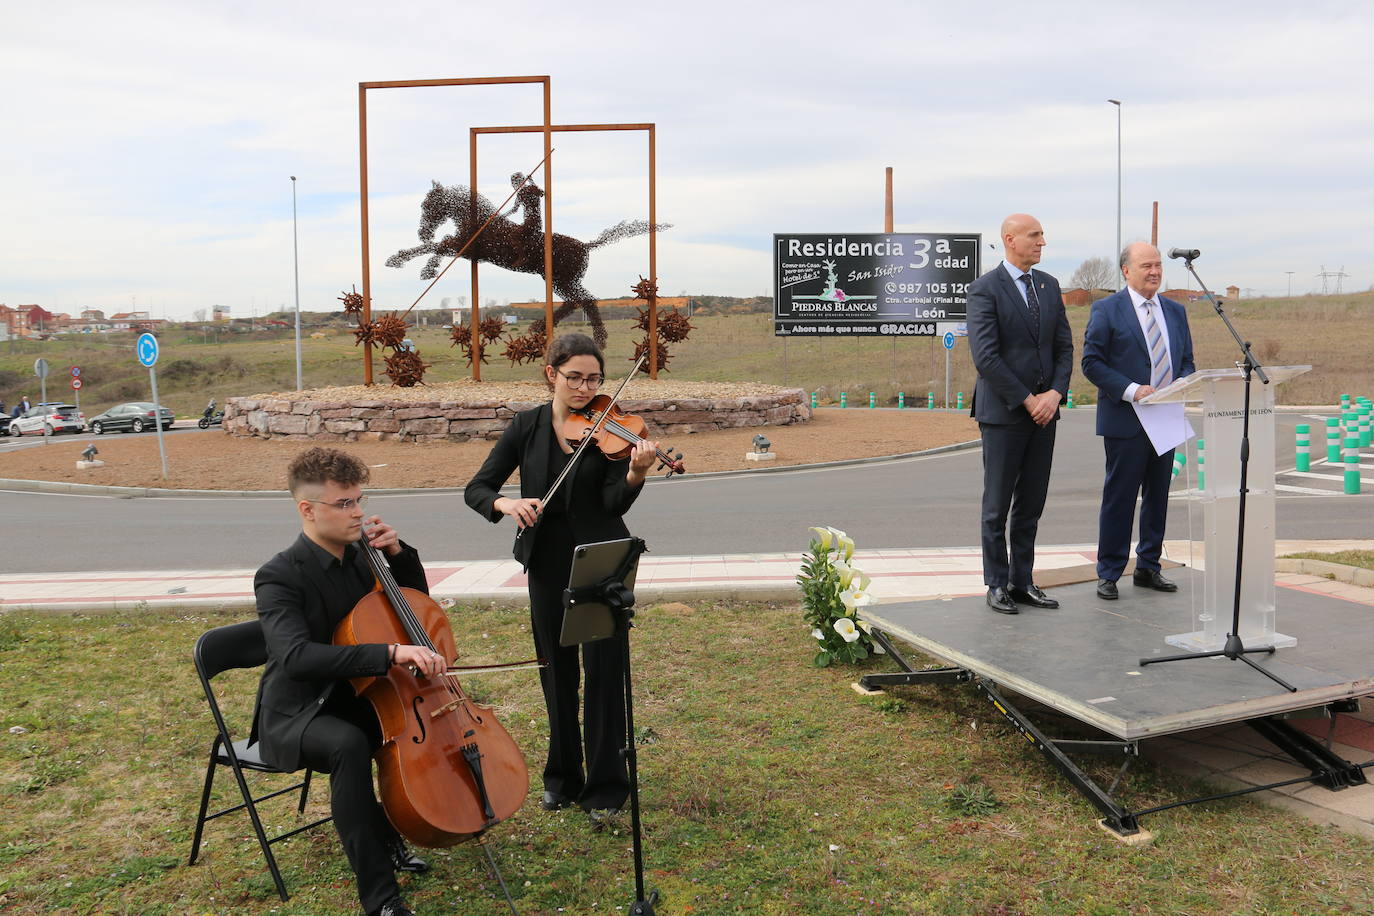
(834, 593)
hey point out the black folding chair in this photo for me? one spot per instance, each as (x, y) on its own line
(240, 645)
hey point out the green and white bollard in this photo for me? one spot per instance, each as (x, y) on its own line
(1333, 440)
(872, 399)
(815, 399)
(1069, 402)
(1351, 424)
(1352, 465)
(1345, 402)
(1180, 459)
(1304, 447)
(1201, 472)
(959, 401)
(844, 398)
(1363, 413)
(930, 400)
(901, 400)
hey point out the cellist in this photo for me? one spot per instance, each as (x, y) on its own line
(307, 713)
(588, 508)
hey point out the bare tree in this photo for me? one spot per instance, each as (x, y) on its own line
(1094, 273)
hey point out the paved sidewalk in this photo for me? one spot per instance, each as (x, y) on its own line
(1231, 756)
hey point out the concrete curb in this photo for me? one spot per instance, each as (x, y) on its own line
(1354, 575)
(86, 489)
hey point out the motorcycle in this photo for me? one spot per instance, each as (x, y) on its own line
(211, 417)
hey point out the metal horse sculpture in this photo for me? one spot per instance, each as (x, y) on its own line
(510, 245)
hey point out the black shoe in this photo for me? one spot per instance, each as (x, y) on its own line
(1000, 601)
(1106, 589)
(555, 800)
(602, 818)
(1150, 578)
(402, 859)
(1031, 595)
(395, 907)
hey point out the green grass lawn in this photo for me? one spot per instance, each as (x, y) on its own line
(769, 787)
(1363, 558)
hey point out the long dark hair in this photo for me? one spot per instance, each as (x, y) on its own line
(566, 346)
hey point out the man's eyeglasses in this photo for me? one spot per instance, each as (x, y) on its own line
(343, 505)
(577, 380)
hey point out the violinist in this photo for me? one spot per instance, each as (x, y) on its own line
(586, 509)
(307, 714)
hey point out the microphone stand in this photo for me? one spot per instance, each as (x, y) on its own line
(1234, 647)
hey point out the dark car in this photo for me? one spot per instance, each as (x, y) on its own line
(133, 417)
(49, 418)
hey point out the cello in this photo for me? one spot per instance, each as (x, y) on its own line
(447, 769)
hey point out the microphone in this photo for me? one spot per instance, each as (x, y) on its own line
(1187, 254)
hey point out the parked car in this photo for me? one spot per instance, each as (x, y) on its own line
(4, 424)
(133, 417)
(58, 418)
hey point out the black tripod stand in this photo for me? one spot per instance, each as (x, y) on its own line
(591, 603)
(1234, 647)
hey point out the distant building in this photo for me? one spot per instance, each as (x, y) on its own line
(1080, 296)
(219, 313)
(1233, 292)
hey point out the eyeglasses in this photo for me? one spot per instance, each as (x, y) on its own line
(579, 381)
(343, 505)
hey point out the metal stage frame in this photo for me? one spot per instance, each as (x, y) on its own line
(1082, 660)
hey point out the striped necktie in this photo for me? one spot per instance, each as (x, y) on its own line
(1161, 373)
(1032, 303)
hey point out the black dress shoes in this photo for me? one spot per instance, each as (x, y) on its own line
(1000, 601)
(1106, 589)
(402, 859)
(395, 907)
(554, 800)
(1032, 595)
(1150, 578)
(601, 818)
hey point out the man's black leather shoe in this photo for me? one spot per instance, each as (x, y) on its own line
(1150, 578)
(1106, 589)
(1000, 601)
(395, 907)
(1031, 595)
(601, 818)
(554, 800)
(402, 859)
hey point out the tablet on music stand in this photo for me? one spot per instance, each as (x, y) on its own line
(595, 566)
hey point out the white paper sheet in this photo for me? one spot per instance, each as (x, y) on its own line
(1165, 424)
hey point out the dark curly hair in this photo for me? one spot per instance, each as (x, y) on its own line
(566, 346)
(317, 466)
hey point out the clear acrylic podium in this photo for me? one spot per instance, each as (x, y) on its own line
(1222, 393)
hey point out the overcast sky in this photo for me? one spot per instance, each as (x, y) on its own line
(148, 147)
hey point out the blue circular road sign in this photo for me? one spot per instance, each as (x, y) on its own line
(147, 349)
(949, 340)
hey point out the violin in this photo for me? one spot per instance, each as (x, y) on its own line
(447, 770)
(617, 434)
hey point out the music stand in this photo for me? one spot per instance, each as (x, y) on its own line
(599, 604)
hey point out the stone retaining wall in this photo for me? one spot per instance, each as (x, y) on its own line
(422, 421)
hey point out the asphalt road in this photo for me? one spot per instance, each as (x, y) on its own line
(916, 502)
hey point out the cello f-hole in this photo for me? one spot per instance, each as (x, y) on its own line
(419, 720)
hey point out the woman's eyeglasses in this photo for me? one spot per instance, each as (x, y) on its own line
(576, 380)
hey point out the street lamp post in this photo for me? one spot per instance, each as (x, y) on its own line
(296, 262)
(1117, 103)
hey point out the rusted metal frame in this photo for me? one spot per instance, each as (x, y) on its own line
(362, 184)
(548, 244)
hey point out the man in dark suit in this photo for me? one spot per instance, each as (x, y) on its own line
(1023, 350)
(1136, 342)
(307, 713)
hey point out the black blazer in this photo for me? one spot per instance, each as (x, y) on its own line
(1011, 363)
(299, 609)
(596, 498)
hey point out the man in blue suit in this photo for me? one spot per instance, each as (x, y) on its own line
(1023, 350)
(1136, 342)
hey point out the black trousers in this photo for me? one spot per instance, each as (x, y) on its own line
(1016, 479)
(1132, 468)
(340, 741)
(606, 782)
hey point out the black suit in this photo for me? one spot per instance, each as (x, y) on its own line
(307, 715)
(588, 508)
(1015, 360)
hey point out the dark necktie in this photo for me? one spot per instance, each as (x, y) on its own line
(1032, 303)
